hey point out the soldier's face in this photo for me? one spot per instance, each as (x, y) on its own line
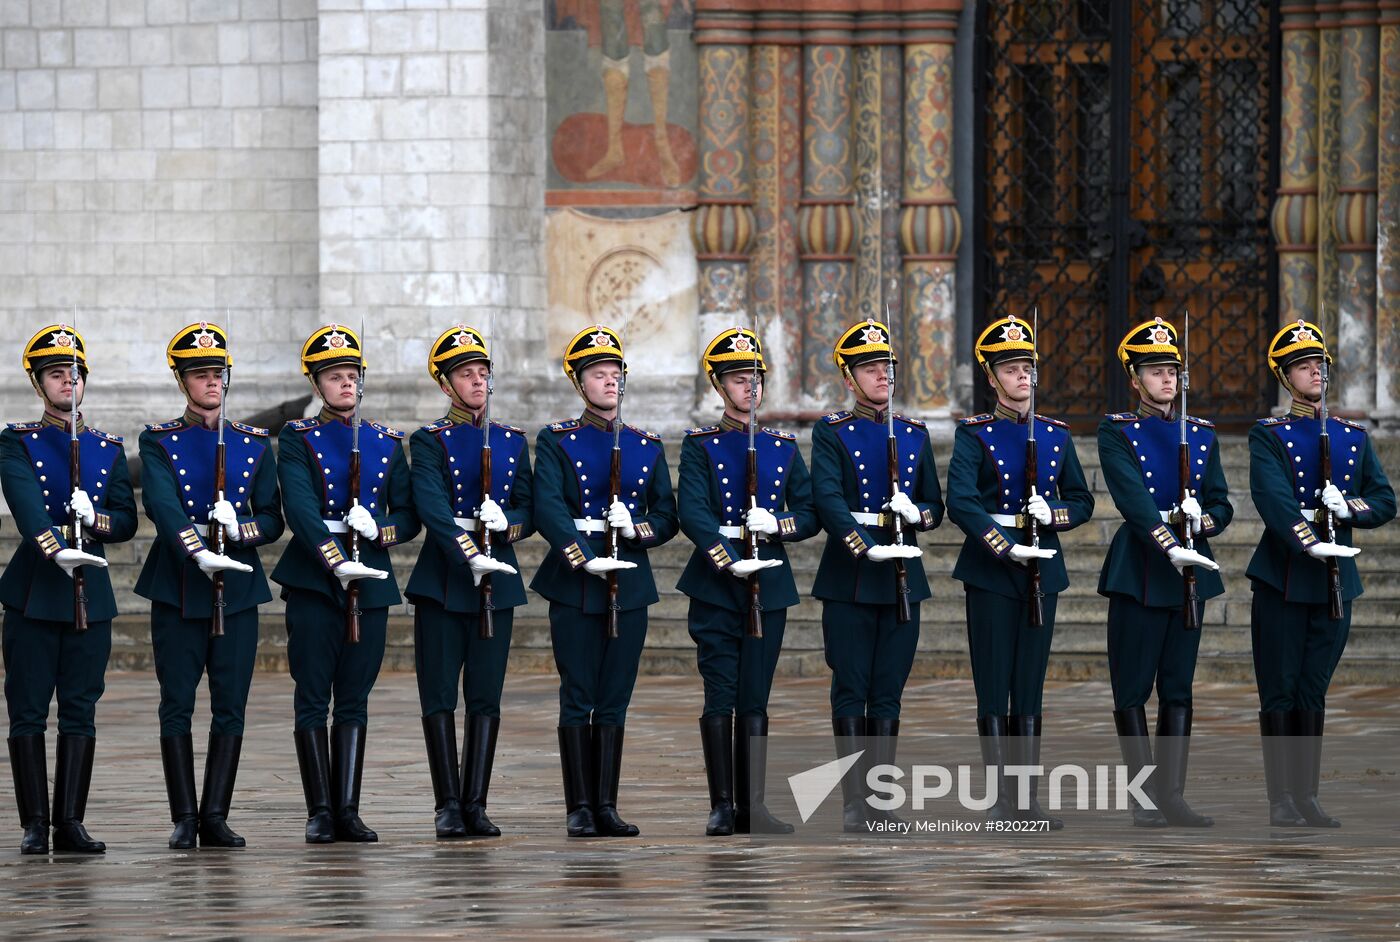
(337, 387)
(737, 387)
(205, 387)
(468, 384)
(1305, 377)
(57, 382)
(1014, 379)
(1156, 383)
(872, 382)
(600, 385)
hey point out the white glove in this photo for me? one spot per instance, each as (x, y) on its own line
(492, 516)
(1192, 509)
(1335, 501)
(227, 517)
(362, 522)
(761, 520)
(1323, 550)
(1020, 553)
(902, 505)
(747, 567)
(348, 571)
(621, 518)
(70, 559)
(210, 563)
(602, 565)
(81, 505)
(880, 552)
(483, 565)
(1039, 509)
(1181, 556)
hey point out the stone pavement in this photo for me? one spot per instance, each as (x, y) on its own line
(673, 883)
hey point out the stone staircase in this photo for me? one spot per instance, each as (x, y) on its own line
(1372, 656)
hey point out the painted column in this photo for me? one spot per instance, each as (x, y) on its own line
(1355, 215)
(826, 228)
(879, 126)
(1329, 150)
(1294, 219)
(1388, 212)
(930, 228)
(723, 225)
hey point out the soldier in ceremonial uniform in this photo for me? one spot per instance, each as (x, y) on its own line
(179, 494)
(869, 651)
(573, 509)
(449, 647)
(715, 514)
(46, 651)
(1297, 642)
(988, 500)
(317, 570)
(1149, 643)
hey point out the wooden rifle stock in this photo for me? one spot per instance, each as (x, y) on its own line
(487, 629)
(1334, 569)
(1190, 601)
(614, 488)
(76, 529)
(216, 542)
(903, 613)
(352, 591)
(755, 624)
(1033, 533)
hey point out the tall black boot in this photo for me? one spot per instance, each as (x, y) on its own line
(347, 770)
(314, 761)
(992, 737)
(72, 778)
(478, 755)
(1275, 728)
(177, 759)
(884, 742)
(215, 799)
(751, 815)
(1025, 746)
(607, 765)
(850, 737)
(440, 735)
(1173, 750)
(717, 742)
(1137, 754)
(30, 769)
(1307, 768)
(575, 756)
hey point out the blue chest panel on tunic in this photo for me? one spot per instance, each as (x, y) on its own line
(867, 443)
(329, 449)
(462, 443)
(1156, 444)
(48, 449)
(729, 462)
(1301, 441)
(1004, 445)
(589, 450)
(191, 452)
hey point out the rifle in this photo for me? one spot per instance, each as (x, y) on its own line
(755, 624)
(352, 591)
(75, 476)
(1033, 479)
(216, 529)
(487, 629)
(1329, 519)
(615, 488)
(901, 575)
(1191, 619)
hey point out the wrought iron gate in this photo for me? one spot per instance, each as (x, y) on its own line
(1126, 167)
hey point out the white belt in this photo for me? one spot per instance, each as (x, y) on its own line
(336, 526)
(1166, 516)
(1010, 520)
(871, 520)
(466, 523)
(590, 526)
(738, 533)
